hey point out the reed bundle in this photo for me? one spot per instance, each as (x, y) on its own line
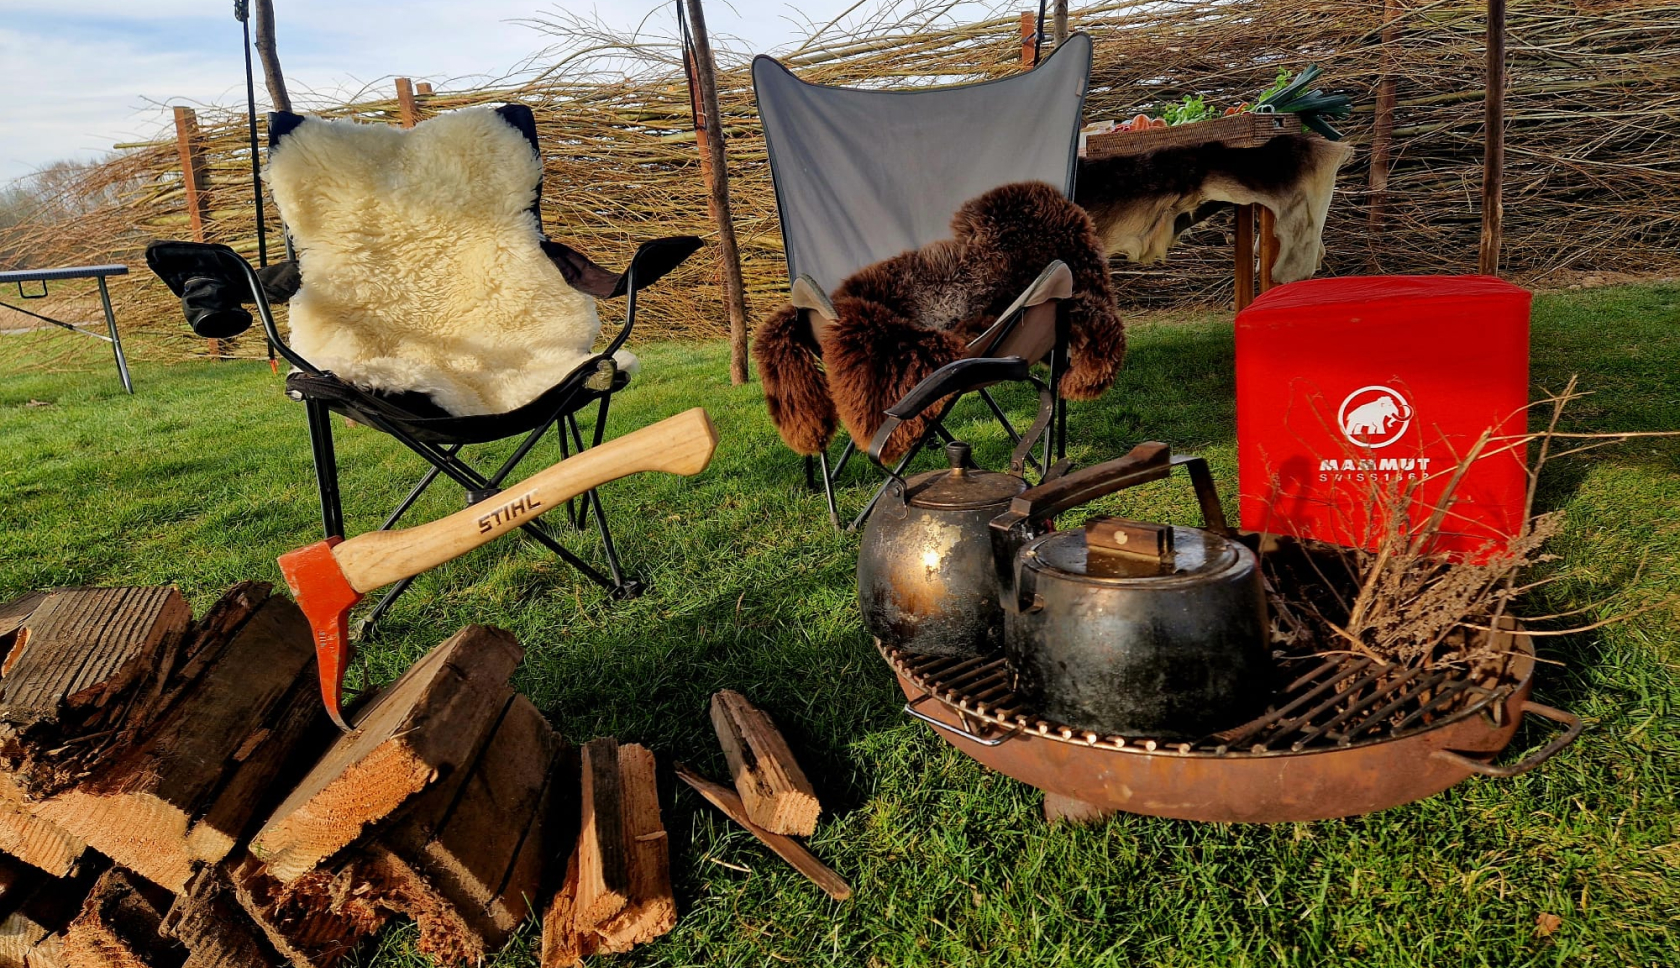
(1593, 141)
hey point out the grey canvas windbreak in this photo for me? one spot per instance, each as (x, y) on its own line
(864, 175)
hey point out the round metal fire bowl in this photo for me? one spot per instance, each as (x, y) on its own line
(1273, 786)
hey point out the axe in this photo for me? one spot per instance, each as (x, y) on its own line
(329, 577)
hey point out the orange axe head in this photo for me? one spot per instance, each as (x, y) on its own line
(326, 597)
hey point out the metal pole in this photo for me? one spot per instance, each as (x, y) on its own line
(116, 341)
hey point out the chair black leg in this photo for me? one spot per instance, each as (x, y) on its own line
(364, 629)
(326, 467)
(828, 489)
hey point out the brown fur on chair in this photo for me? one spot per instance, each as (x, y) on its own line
(902, 318)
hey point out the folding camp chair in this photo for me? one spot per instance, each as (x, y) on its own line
(417, 421)
(863, 175)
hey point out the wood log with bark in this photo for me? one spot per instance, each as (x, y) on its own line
(774, 789)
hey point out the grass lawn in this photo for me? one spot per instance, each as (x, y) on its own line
(204, 476)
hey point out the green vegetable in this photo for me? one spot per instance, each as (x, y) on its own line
(1292, 97)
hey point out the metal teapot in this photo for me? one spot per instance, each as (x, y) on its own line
(1129, 628)
(926, 580)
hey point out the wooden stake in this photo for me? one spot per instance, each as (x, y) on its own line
(408, 113)
(195, 178)
(790, 850)
(270, 55)
(423, 88)
(1268, 246)
(1493, 155)
(734, 290)
(1029, 38)
(1059, 22)
(1245, 256)
(1382, 134)
(774, 789)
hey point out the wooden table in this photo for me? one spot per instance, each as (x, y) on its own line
(99, 273)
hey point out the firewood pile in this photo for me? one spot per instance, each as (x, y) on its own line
(172, 795)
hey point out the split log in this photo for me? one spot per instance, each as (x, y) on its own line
(790, 850)
(563, 944)
(430, 723)
(215, 930)
(37, 842)
(652, 909)
(310, 922)
(603, 864)
(774, 789)
(465, 862)
(73, 668)
(118, 927)
(31, 935)
(649, 909)
(188, 791)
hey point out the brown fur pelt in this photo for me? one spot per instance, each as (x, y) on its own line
(1142, 203)
(903, 318)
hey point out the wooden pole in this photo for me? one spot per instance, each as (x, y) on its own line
(1493, 157)
(1268, 246)
(195, 179)
(1245, 256)
(423, 88)
(1059, 22)
(734, 291)
(697, 104)
(1382, 134)
(1029, 38)
(272, 77)
(408, 113)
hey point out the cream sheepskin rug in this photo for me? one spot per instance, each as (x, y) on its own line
(421, 262)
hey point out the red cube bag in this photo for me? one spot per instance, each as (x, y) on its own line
(1346, 386)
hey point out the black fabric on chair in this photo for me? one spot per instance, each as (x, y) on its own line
(221, 278)
(864, 175)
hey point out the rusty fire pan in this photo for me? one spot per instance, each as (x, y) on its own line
(1344, 736)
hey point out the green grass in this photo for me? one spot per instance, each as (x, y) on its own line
(203, 477)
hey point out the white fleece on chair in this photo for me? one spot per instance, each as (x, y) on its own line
(421, 262)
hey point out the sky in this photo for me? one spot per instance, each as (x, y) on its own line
(82, 75)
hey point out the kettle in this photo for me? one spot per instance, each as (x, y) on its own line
(1126, 627)
(927, 583)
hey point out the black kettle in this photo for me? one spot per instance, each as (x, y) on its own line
(926, 580)
(1131, 628)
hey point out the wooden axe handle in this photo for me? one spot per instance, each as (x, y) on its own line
(682, 444)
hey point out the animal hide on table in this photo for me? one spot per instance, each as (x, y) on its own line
(903, 318)
(423, 267)
(1142, 203)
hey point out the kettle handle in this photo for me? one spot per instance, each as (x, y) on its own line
(962, 376)
(1146, 462)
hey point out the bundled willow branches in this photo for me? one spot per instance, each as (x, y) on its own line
(1402, 600)
(1593, 140)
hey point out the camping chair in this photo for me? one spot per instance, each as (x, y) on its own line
(415, 419)
(863, 175)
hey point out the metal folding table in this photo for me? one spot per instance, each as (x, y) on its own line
(43, 276)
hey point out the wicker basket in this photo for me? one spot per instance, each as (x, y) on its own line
(1249, 130)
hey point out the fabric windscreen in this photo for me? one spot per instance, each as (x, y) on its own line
(863, 175)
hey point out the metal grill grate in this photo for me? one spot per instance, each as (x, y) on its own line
(1323, 702)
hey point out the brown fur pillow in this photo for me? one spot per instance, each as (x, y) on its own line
(904, 317)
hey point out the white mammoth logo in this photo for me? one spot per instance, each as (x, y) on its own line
(1384, 417)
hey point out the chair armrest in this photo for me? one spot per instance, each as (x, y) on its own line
(1020, 332)
(653, 260)
(806, 294)
(177, 262)
(960, 376)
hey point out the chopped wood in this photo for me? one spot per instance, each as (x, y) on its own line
(14, 612)
(313, 922)
(802, 860)
(73, 668)
(118, 927)
(215, 930)
(603, 865)
(141, 809)
(563, 944)
(652, 909)
(37, 842)
(427, 725)
(774, 789)
(31, 935)
(465, 861)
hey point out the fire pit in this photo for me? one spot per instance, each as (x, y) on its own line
(1342, 735)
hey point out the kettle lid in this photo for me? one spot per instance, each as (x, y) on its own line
(1090, 554)
(961, 487)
